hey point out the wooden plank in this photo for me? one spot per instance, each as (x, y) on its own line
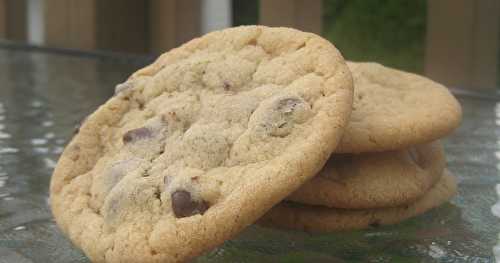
(16, 20)
(188, 24)
(162, 25)
(462, 42)
(70, 23)
(448, 46)
(308, 15)
(173, 22)
(305, 15)
(118, 25)
(3, 18)
(82, 30)
(486, 44)
(57, 23)
(277, 13)
(121, 25)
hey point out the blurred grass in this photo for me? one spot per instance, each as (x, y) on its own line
(245, 12)
(391, 32)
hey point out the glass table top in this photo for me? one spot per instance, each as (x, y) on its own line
(43, 95)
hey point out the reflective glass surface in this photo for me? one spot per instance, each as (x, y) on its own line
(43, 95)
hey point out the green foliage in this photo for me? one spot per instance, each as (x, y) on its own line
(245, 12)
(391, 32)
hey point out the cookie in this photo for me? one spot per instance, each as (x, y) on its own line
(394, 110)
(200, 144)
(374, 180)
(322, 219)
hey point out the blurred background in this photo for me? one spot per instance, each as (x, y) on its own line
(452, 41)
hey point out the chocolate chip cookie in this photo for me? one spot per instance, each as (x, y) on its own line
(200, 144)
(394, 110)
(374, 180)
(323, 219)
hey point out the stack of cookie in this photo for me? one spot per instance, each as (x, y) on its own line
(210, 137)
(389, 165)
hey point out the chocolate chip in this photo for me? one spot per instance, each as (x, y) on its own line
(288, 105)
(285, 113)
(141, 105)
(282, 125)
(77, 126)
(76, 129)
(136, 134)
(227, 86)
(157, 194)
(184, 206)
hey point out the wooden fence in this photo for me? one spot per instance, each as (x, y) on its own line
(461, 44)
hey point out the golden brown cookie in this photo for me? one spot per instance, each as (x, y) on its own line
(200, 144)
(322, 219)
(374, 180)
(394, 110)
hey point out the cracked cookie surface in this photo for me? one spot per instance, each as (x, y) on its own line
(393, 110)
(201, 143)
(374, 180)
